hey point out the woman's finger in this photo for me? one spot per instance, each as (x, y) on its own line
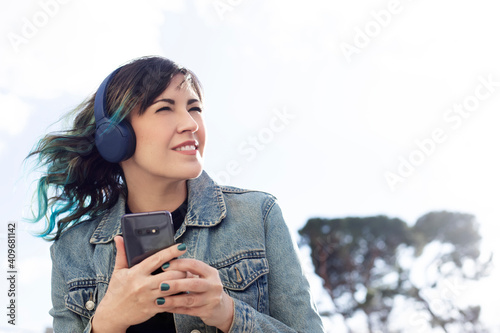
(173, 302)
(172, 287)
(159, 259)
(163, 277)
(121, 257)
(193, 267)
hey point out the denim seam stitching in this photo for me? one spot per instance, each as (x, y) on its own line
(257, 254)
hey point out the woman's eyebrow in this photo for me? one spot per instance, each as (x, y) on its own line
(168, 100)
(171, 101)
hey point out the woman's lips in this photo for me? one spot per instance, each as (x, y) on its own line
(187, 147)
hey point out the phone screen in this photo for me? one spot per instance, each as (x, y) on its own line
(144, 234)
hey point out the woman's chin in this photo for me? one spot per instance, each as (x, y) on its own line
(192, 172)
(196, 174)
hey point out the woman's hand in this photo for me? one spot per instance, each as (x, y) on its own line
(132, 292)
(203, 295)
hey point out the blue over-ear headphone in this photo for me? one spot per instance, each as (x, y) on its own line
(114, 141)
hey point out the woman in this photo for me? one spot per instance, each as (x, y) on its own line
(234, 267)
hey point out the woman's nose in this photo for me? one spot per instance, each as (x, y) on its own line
(187, 123)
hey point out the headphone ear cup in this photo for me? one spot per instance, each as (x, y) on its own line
(115, 142)
(130, 139)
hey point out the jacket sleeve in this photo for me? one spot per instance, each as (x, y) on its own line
(64, 320)
(291, 306)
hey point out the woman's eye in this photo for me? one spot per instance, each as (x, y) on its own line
(165, 108)
(197, 109)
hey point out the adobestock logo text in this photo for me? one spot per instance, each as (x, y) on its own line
(379, 19)
(30, 27)
(454, 118)
(224, 6)
(250, 147)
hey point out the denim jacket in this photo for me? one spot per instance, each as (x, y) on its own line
(239, 232)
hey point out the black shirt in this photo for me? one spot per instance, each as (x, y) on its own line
(161, 322)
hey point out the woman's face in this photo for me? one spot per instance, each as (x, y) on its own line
(170, 136)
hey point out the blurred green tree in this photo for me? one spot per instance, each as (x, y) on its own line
(367, 263)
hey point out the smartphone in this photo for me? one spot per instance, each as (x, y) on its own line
(144, 234)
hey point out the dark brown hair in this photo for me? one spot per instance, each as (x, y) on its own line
(76, 182)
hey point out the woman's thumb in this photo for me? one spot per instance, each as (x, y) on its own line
(121, 257)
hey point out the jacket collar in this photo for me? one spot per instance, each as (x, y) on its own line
(206, 208)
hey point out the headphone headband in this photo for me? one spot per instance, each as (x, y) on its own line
(100, 98)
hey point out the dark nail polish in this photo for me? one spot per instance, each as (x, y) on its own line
(165, 265)
(164, 287)
(160, 301)
(181, 247)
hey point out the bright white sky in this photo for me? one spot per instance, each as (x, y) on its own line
(360, 86)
